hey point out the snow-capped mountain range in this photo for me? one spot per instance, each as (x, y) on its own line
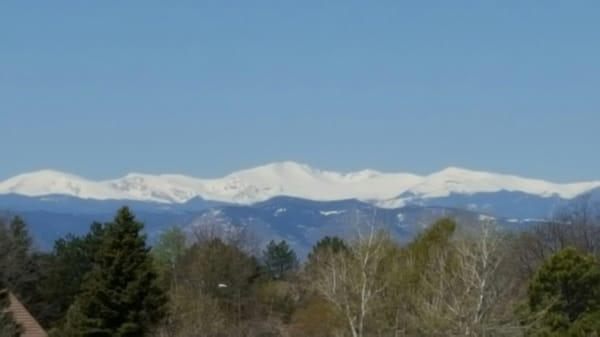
(288, 179)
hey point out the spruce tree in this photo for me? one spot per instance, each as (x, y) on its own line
(328, 245)
(19, 268)
(64, 270)
(120, 295)
(20, 234)
(279, 259)
(324, 249)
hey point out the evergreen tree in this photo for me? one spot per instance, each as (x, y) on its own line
(564, 296)
(323, 250)
(279, 259)
(20, 234)
(120, 296)
(329, 244)
(19, 267)
(64, 270)
(8, 327)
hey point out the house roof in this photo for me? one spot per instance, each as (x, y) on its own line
(30, 327)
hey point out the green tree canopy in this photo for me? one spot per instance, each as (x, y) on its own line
(64, 270)
(564, 296)
(120, 296)
(167, 252)
(328, 244)
(19, 267)
(415, 275)
(279, 259)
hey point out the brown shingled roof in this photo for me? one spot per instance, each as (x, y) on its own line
(30, 327)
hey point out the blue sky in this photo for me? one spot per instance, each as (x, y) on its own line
(204, 88)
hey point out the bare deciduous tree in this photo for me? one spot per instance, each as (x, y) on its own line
(350, 280)
(464, 290)
(204, 230)
(574, 225)
(481, 292)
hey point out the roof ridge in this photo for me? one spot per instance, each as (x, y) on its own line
(30, 326)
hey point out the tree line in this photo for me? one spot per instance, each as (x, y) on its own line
(451, 280)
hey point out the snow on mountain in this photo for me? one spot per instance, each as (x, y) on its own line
(47, 182)
(464, 181)
(298, 180)
(289, 179)
(153, 188)
(460, 181)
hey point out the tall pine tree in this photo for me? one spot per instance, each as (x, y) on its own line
(64, 270)
(20, 271)
(279, 259)
(120, 297)
(328, 245)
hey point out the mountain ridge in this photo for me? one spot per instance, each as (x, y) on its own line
(288, 179)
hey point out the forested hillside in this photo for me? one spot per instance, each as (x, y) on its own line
(450, 280)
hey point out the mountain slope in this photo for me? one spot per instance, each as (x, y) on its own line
(289, 179)
(299, 221)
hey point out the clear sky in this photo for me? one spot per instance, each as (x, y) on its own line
(102, 88)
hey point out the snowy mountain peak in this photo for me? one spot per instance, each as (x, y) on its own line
(47, 182)
(278, 169)
(457, 171)
(47, 174)
(287, 165)
(286, 179)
